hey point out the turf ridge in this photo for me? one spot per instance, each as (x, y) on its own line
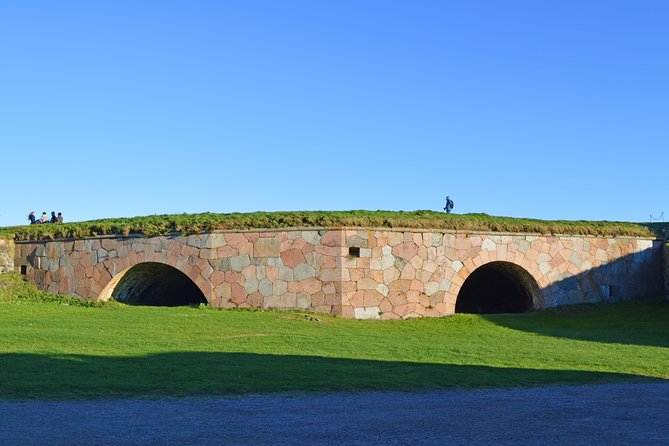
(207, 222)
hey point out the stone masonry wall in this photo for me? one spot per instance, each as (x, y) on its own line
(414, 273)
(361, 273)
(6, 255)
(245, 269)
(666, 270)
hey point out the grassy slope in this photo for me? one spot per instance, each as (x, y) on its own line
(198, 223)
(68, 351)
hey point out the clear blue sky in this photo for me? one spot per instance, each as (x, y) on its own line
(545, 109)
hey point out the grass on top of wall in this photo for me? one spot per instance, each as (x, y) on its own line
(206, 222)
(70, 351)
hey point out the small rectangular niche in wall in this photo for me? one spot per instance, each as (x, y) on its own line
(24, 270)
(354, 251)
(607, 290)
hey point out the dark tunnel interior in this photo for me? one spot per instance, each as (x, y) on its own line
(157, 284)
(497, 287)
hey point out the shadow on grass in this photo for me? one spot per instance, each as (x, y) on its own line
(27, 376)
(635, 322)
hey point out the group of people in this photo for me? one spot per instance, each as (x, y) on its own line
(45, 218)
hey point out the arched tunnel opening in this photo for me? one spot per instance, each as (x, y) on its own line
(157, 284)
(498, 287)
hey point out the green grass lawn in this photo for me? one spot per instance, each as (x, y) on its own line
(206, 222)
(52, 347)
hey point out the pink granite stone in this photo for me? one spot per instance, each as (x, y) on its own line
(408, 272)
(364, 263)
(254, 300)
(96, 289)
(223, 291)
(357, 299)
(334, 251)
(346, 311)
(249, 271)
(573, 269)
(396, 297)
(333, 238)
(345, 286)
(292, 258)
(226, 251)
(438, 275)
(372, 298)
(311, 285)
(64, 286)
(234, 277)
(207, 271)
(413, 296)
(405, 309)
(252, 237)
(556, 261)
(329, 263)
(239, 242)
(462, 243)
(266, 247)
(406, 250)
(330, 274)
(238, 293)
(417, 285)
(318, 299)
(332, 299)
(217, 278)
(395, 238)
(272, 273)
(385, 305)
(367, 283)
(375, 275)
(295, 287)
(356, 274)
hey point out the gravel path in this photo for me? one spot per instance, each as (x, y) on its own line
(603, 414)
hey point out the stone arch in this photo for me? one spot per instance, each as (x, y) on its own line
(153, 271)
(155, 284)
(498, 286)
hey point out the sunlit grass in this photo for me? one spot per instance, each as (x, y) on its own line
(69, 351)
(206, 222)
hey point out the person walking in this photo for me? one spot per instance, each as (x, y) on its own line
(449, 205)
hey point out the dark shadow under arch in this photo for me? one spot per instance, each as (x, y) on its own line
(498, 287)
(157, 284)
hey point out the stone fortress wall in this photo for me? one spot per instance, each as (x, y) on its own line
(356, 273)
(6, 255)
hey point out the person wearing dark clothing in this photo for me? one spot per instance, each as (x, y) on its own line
(54, 219)
(60, 217)
(449, 205)
(32, 218)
